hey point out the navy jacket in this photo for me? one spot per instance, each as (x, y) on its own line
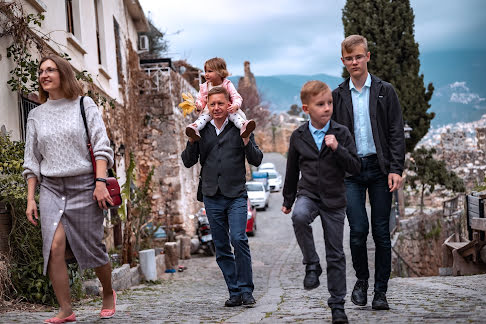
(322, 172)
(224, 160)
(386, 121)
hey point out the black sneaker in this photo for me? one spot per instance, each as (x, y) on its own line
(233, 301)
(247, 299)
(359, 296)
(379, 301)
(339, 316)
(312, 273)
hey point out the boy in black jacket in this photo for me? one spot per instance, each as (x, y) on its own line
(323, 151)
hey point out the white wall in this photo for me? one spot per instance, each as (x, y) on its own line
(9, 112)
(81, 47)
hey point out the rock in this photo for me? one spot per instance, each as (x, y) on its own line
(120, 277)
(147, 264)
(185, 248)
(171, 255)
(135, 276)
(160, 264)
(92, 287)
(194, 245)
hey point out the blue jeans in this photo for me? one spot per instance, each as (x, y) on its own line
(227, 218)
(372, 179)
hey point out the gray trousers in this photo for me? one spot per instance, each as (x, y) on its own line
(305, 211)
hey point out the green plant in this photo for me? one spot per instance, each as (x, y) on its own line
(434, 233)
(429, 172)
(138, 206)
(25, 240)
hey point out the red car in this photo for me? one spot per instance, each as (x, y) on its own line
(251, 220)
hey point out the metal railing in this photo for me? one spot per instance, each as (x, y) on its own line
(158, 78)
(26, 106)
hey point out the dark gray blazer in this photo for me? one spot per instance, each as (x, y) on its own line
(386, 121)
(322, 172)
(224, 160)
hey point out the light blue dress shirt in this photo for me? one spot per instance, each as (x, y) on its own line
(363, 134)
(319, 134)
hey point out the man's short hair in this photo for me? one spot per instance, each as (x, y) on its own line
(312, 88)
(218, 90)
(350, 42)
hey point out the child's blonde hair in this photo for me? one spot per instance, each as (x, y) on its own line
(312, 88)
(218, 65)
(352, 41)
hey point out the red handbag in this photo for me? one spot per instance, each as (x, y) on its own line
(111, 182)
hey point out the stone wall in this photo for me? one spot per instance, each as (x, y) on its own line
(419, 243)
(275, 136)
(162, 142)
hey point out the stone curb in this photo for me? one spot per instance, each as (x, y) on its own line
(124, 277)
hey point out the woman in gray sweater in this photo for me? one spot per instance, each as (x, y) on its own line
(71, 203)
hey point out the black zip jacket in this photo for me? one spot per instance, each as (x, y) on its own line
(386, 121)
(322, 172)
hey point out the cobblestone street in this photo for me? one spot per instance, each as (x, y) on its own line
(198, 294)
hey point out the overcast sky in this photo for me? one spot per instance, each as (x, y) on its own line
(297, 37)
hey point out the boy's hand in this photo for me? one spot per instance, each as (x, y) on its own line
(233, 108)
(331, 142)
(286, 210)
(394, 181)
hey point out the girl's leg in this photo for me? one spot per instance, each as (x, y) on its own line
(104, 274)
(193, 130)
(202, 120)
(58, 274)
(237, 120)
(246, 126)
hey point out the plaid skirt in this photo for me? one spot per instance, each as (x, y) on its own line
(69, 200)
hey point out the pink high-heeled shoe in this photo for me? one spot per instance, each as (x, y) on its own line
(109, 313)
(56, 320)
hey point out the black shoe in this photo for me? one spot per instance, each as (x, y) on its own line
(247, 299)
(379, 301)
(312, 273)
(339, 316)
(359, 296)
(233, 301)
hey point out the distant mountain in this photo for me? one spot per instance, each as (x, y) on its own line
(459, 78)
(282, 91)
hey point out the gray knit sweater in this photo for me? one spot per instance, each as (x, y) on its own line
(55, 144)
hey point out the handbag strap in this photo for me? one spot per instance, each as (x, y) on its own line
(83, 114)
(90, 147)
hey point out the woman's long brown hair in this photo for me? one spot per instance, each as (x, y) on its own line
(69, 85)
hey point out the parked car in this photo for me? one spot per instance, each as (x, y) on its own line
(267, 166)
(258, 195)
(251, 219)
(262, 177)
(274, 180)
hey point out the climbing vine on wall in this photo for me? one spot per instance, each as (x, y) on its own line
(27, 37)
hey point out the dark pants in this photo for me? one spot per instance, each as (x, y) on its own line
(305, 211)
(227, 218)
(372, 179)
